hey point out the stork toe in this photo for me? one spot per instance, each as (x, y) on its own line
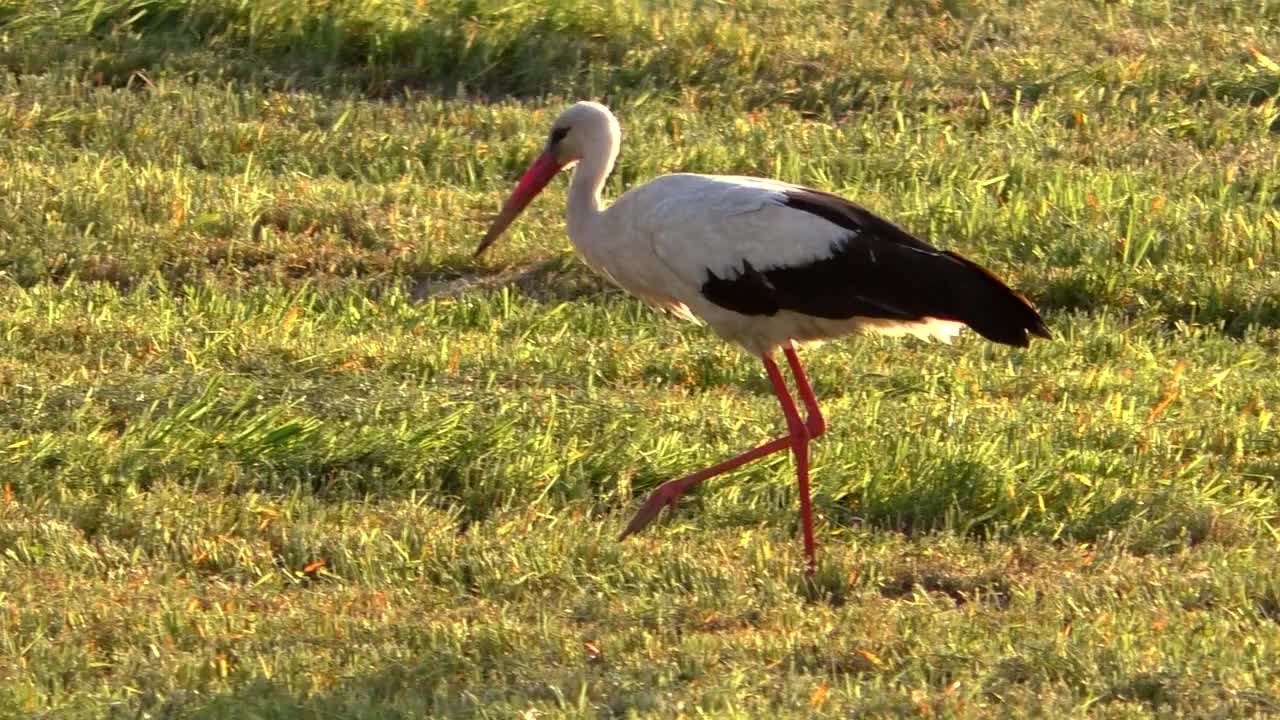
(665, 496)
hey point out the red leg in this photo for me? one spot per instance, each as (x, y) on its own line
(797, 439)
(815, 424)
(800, 448)
(669, 492)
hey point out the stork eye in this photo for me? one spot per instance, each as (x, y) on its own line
(557, 134)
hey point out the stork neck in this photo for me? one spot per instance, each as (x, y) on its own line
(584, 192)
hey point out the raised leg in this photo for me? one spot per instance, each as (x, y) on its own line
(669, 492)
(797, 438)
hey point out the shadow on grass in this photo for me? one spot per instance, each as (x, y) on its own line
(471, 49)
(477, 50)
(379, 52)
(1233, 303)
(452, 685)
(558, 279)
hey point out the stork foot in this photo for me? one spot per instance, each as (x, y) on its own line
(670, 491)
(666, 495)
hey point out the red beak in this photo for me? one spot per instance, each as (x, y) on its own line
(534, 179)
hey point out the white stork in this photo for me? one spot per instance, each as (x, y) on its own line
(765, 264)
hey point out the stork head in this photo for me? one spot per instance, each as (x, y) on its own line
(583, 130)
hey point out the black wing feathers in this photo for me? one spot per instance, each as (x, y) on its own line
(879, 270)
(750, 293)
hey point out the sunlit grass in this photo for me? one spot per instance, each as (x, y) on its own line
(275, 445)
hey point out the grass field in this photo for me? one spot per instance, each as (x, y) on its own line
(274, 446)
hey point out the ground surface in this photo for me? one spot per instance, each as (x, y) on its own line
(275, 446)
